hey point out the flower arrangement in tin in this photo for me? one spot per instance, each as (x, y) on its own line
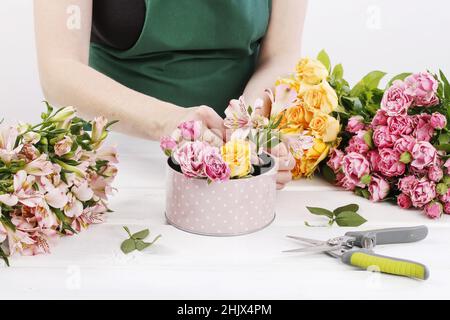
(301, 117)
(55, 178)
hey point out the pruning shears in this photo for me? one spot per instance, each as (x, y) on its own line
(355, 248)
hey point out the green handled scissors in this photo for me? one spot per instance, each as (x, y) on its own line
(356, 248)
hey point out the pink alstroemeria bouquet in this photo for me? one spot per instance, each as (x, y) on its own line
(55, 178)
(396, 144)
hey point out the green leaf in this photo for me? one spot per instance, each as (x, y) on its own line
(443, 147)
(368, 138)
(320, 212)
(349, 219)
(64, 220)
(141, 245)
(350, 207)
(446, 85)
(405, 157)
(328, 174)
(128, 246)
(111, 123)
(325, 59)
(401, 76)
(338, 72)
(141, 234)
(366, 179)
(127, 230)
(4, 256)
(369, 82)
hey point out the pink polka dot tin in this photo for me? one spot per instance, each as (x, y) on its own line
(231, 208)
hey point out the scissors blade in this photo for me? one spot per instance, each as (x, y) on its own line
(322, 248)
(307, 240)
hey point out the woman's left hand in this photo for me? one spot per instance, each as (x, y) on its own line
(286, 163)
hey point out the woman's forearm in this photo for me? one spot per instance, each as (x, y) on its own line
(70, 82)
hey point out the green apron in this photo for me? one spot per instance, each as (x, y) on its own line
(190, 52)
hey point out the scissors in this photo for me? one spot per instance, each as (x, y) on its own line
(355, 248)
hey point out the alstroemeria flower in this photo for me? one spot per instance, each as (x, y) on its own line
(23, 189)
(8, 138)
(299, 143)
(82, 190)
(74, 208)
(63, 146)
(98, 131)
(39, 167)
(56, 198)
(283, 98)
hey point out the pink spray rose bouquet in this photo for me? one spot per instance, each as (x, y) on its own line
(55, 179)
(396, 142)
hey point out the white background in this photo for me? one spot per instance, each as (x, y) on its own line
(391, 35)
(395, 35)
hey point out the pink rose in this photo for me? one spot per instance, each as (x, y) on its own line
(355, 166)
(344, 182)
(395, 101)
(404, 201)
(355, 124)
(404, 144)
(435, 173)
(401, 125)
(423, 192)
(447, 208)
(191, 130)
(406, 184)
(422, 87)
(374, 158)
(380, 119)
(378, 188)
(190, 158)
(383, 138)
(215, 168)
(167, 144)
(390, 165)
(424, 130)
(438, 121)
(335, 161)
(424, 155)
(357, 144)
(447, 166)
(434, 210)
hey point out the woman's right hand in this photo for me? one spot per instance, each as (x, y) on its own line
(215, 130)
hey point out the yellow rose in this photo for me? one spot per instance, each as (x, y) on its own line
(321, 97)
(307, 165)
(295, 119)
(311, 71)
(291, 82)
(237, 154)
(324, 127)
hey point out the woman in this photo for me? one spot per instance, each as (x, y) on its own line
(152, 64)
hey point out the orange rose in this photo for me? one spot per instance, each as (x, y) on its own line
(295, 119)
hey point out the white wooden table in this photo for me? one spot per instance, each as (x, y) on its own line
(187, 266)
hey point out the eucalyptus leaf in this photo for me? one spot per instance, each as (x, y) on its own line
(320, 212)
(141, 245)
(141, 235)
(328, 174)
(349, 219)
(350, 207)
(128, 246)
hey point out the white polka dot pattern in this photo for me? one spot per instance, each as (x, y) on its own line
(223, 209)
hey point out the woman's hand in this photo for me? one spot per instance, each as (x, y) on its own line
(286, 163)
(215, 129)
